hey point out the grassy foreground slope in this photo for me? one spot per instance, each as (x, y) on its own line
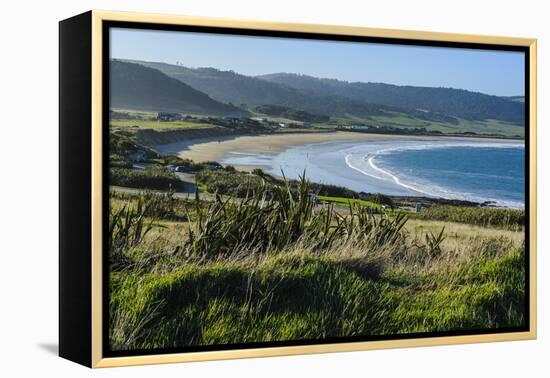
(303, 296)
(275, 268)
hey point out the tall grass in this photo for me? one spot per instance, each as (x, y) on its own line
(130, 223)
(127, 228)
(271, 220)
(304, 296)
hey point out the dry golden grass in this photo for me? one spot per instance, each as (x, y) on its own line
(463, 243)
(458, 234)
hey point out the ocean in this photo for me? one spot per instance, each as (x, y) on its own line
(455, 169)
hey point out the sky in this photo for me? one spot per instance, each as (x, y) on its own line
(493, 72)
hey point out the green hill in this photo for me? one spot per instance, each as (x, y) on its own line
(229, 86)
(340, 98)
(459, 103)
(135, 86)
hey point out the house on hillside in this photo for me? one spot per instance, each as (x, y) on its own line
(168, 117)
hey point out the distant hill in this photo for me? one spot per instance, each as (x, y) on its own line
(135, 86)
(229, 86)
(452, 102)
(342, 99)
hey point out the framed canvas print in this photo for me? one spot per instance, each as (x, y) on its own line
(235, 189)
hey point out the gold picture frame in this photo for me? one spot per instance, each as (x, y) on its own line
(93, 24)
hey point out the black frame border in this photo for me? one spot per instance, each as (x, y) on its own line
(75, 181)
(107, 25)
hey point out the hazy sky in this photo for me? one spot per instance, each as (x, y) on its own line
(492, 72)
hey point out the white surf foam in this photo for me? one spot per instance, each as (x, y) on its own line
(363, 159)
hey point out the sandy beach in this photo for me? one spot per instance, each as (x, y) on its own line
(216, 149)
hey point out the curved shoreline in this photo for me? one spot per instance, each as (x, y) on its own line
(258, 151)
(218, 148)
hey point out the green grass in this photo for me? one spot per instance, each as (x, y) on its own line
(349, 201)
(158, 125)
(401, 120)
(486, 127)
(395, 119)
(228, 303)
(307, 297)
(490, 126)
(279, 268)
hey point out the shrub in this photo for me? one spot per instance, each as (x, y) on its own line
(123, 143)
(236, 184)
(118, 161)
(239, 184)
(380, 199)
(257, 172)
(333, 190)
(485, 217)
(152, 177)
